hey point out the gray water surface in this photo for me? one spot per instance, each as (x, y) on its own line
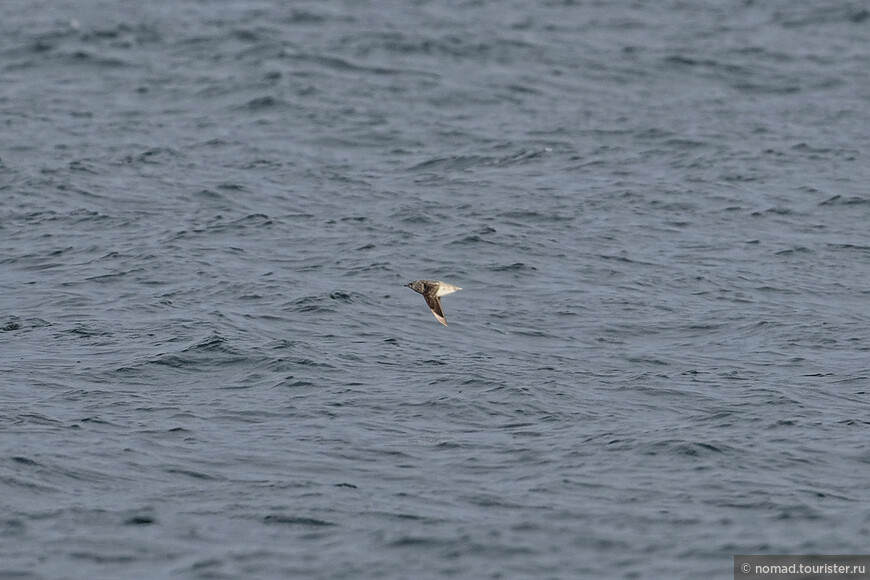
(209, 367)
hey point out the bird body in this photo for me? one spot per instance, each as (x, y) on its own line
(432, 291)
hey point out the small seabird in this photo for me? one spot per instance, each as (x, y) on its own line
(432, 291)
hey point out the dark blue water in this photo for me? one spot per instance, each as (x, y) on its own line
(209, 367)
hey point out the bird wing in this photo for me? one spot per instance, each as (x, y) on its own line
(434, 304)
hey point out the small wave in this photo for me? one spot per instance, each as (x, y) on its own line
(416, 215)
(122, 36)
(153, 156)
(295, 521)
(683, 448)
(299, 16)
(857, 247)
(480, 236)
(83, 57)
(841, 200)
(346, 65)
(466, 162)
(834, 13)
(795, 250)
(10, 323)
(140, 520)
(515, 267)
(263, 103)
(528, 215)
(191, 473)
(323, 302)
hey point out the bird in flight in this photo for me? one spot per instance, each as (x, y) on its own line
(432, 291)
